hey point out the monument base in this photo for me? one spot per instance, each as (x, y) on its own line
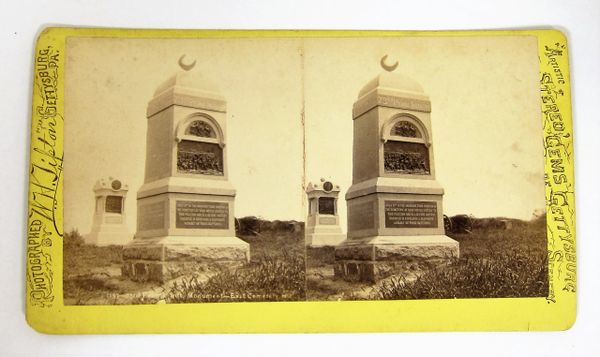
(324, 239)
(164, 258)
(374, 258)
(102, 238)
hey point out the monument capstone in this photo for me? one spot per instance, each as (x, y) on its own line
(322, 221)
(395, 211)
(185, 208)
(109, 226)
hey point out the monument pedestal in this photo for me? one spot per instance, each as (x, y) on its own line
(165, 258)
(392, 223)
(185, 226)
(374, 258)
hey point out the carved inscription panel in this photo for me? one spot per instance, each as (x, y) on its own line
(202, 215)
(411, 214)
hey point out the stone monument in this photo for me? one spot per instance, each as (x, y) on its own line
(395, 212)
(322, 222)
(109, 226)
(185, 208)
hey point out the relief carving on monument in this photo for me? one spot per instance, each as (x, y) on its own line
(199, 150)
(197, 157)
(406, 158)
(202, 129)
(405, 129)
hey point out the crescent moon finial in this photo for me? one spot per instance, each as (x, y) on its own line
(386, 66)
(186, 67)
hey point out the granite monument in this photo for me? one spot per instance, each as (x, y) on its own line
(395, 212)
(185, 208)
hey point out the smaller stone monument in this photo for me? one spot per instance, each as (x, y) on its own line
(109, 226)
(322, 222)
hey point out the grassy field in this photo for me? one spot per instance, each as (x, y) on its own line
(92, 276)
(494, 262)
(276, 272)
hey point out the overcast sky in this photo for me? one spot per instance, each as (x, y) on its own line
(487, 137)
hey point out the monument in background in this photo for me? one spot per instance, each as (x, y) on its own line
(395, 211)
(109, 226)
(185, 208)
(322, 222)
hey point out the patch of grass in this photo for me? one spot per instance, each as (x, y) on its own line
(82, 259)
(269, 278)
(320, 256)
(276, 272)
(84, 275)
(81, 289)
(274, 244)
(493, 263)
(73, 238)
(513, 274)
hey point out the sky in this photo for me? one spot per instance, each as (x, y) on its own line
(484, 92)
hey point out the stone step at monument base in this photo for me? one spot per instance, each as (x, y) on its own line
(102, 238)
(163, 271)
(324, 239)
(164, 258)
(375, 258)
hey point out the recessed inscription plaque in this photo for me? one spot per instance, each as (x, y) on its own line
(411, 214)
(113, 204)
(113, 219)
(326, 205)
(361, 216)
(199, 215)
(327, 220)
(151, 216)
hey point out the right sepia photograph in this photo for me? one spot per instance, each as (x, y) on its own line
(425, 157)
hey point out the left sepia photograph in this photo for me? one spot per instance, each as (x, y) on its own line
(183, 171)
